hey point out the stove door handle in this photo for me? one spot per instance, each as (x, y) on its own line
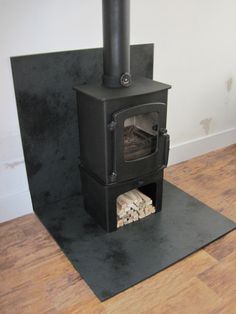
(166, 138)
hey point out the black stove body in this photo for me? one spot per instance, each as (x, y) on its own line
(122, 125)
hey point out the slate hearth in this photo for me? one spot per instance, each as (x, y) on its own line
(112, 262)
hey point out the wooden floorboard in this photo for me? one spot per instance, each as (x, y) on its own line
(36, 277)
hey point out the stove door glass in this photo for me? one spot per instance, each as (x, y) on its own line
(140, 135)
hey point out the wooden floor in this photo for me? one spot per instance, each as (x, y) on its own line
(35, 276)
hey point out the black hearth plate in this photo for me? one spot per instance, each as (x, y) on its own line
(113, 262)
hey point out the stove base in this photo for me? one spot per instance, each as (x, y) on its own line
(113, 262)
(100, 199)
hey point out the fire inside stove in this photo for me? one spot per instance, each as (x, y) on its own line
(140, 136)
(132, 206)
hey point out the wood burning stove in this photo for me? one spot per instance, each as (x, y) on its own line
(124, 143)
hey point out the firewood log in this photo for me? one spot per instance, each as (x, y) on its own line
(120, 223)
(146, 199)
(151, 208)
(132, 206)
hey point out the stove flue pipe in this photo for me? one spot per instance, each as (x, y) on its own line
(116, 43)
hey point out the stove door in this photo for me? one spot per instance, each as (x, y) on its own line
(138, 143)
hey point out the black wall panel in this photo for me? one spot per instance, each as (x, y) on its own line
(47, 113)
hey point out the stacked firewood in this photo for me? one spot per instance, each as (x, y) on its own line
(132, 206)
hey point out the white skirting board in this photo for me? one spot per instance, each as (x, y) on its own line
(18, 203)
(190, 149)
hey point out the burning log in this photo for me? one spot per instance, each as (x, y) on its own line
(132, 206)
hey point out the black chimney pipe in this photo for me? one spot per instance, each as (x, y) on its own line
(116, 43)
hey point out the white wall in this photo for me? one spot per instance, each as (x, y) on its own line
(195, 52)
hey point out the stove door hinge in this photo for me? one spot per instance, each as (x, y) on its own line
(112, 125)
(113, 177)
